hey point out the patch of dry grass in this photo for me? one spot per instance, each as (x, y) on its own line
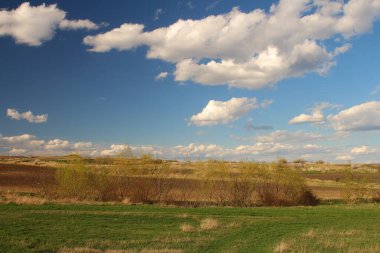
(282, 247)
(310, 234)
(79, 250)
(331, 240)
(186, 227)
(209, 224)
(119, 251)
(183, 216)
(21, 199)
(92, 250)
(161, 251)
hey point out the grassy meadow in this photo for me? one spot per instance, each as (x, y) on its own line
(116, 205)
(145, 228)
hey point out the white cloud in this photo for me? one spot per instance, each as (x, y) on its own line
(344, 158)
(162, 75)
(33, 25)
(29, 116)
(117, 149)
(21, 144)
(114, 150)
(362, 117)
(250, 50)
(17, 151)
(18, 138)
(57, 144)
(36, 143)
(267, 150)
(289, 137)
(30, 145)
(77, 24)
(362, 150)
(315, 117)
(312, 147)
(224, 112)
(263, 148)
(198, 150)
(83, 145)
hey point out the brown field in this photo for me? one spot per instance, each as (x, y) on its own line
(27, 177)
(186, 181)
(339, 176)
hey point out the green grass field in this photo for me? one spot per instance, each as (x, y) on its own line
(142, 228)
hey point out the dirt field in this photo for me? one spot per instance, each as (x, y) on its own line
(24, 176)
(339, 176)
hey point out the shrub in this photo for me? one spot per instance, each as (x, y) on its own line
(281, 185)
(241, 191)
(74, 181)
(355, 187)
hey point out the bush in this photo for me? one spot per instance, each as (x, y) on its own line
(355, 187)
(74, 182)
(214, 182)
(280, 185)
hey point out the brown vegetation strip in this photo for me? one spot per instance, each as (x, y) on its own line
(336, 176)
(15, 175)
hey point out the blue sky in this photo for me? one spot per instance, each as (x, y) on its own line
(197, 79)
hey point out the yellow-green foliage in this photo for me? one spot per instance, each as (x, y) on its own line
(74, 180)
(149, 180)
(279, 184)
(355, 187)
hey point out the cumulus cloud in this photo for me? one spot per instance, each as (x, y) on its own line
(17, 151)
(289, 137)
(202, 150)
(162, 75)
(361, 150)
(77, 24)
(315, 117)
(224, 112)
(83, 145)
(57, 144)
(198, 150)
(344, 158)
(117, 149)
(312, 147)
(250, 50)
(31, 145)
(28, 116)
(263, 148)
(33, 25)
(268, 149)
(18, 138)
(362, 117)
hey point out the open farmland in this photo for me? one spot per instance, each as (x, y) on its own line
(24, 175)
(142, 228)
(39, 214)
(185, 180)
